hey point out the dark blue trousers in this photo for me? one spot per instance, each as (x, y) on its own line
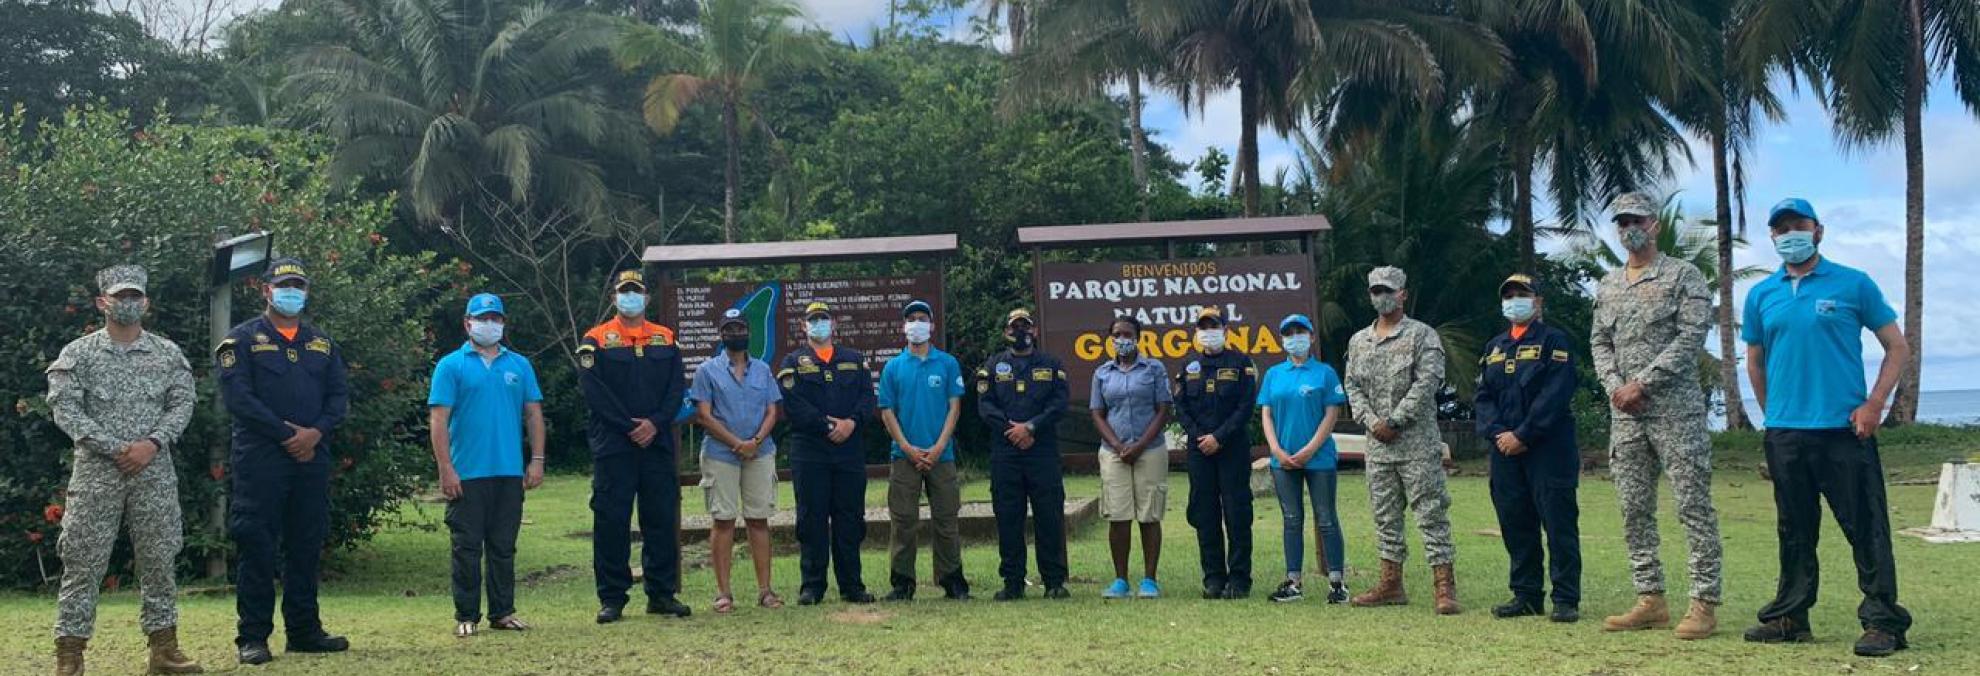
(277, 507)
(1220, 509)
(1535, 492)
(1031, 479)
(646, 478)
(831, 520)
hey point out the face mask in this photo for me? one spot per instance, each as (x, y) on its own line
(1384, 303)
(631, 304)
(918, 332)
(1124, 347)
(288, 301)
(125, 311)
(1210, 339)
(1021, 339)
(1634, 239)
(820, 329)
(735, 343)
(485, 333)
(1795, 247)
(1519, 310)
(1299, 345)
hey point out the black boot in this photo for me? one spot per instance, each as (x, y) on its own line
(1879, 643)
(1518, 607)
(320, 643)
(254, 652)
(1565, 613)
(608, 613)
(667, 605)
(1780, 630)
(900, 594)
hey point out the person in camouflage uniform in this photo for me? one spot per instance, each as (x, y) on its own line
(1649, 326)
(1394, 369)
(124, 395)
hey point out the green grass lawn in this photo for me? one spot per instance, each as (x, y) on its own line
(391, 599)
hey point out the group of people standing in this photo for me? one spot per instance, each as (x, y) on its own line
(125, 395)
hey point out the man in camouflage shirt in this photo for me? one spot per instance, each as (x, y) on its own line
(124, 395)
(1394, 370)
(1650, 323)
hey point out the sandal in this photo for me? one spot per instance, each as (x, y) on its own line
(510, 623)
(768, 599)
(725, 604)
(464, 629)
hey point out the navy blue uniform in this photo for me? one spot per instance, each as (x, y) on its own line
(1219, 484)
(631, 373)
(1525, 386)
(269, 383)
(1020, 389)
(828, 479)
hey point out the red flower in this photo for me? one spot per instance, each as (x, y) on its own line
(113, 582)
(388, 384)
(217, 472)
(52, 513)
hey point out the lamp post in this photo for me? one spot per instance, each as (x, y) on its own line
(233, 259)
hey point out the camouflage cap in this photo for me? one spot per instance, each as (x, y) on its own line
(1633, 204)
(119, 278)
(1388, 276)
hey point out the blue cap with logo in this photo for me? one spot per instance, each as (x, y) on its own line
(1792, 206)
(1298, 320)
(484, 303)
(917, 305)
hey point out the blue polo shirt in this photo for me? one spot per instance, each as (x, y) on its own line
(1299, 395)
(486, 398)
(918, 391)
(738, 404)
(1812, 332)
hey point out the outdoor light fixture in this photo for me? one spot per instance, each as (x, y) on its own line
(240, 257)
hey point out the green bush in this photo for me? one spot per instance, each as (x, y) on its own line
(90, 191)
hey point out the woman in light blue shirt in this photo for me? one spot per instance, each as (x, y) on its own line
(1130, 406)
(1300, 400)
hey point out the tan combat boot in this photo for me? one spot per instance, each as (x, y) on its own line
(1649, 612)
(69, 655)
(1388, 592)
(1699, 622)
(165, 655)
(1446, 587)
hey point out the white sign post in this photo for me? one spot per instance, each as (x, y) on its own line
(1956, 511)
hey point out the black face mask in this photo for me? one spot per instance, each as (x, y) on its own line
(735, 343)
(1022, 339)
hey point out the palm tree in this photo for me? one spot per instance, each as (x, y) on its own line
(734, 45)
(448, 99)
(1872, 61)
(1584, 98)
(1017, 18)
(1079, 47)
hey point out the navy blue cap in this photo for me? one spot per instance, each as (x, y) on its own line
(917, 305)
(1792, 206)
(733, 316)
(285, 269)
(484, 303)
(1295, 320)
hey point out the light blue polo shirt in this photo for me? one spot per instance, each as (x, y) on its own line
(918, 391)
(1813, 336)
(485, 420)
(1299, 395)
(1130, 396)
(738, 404)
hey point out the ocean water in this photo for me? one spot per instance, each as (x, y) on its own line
(1942, 407)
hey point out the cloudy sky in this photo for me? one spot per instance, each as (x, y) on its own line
(1860, 195)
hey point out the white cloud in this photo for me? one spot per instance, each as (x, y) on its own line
(843, 16)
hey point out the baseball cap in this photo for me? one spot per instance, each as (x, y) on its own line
(625, 277)
(1209, 315)
(1523, 280)
(484, 303)
(1389, 276)
(1299, 320)
(733, 316)
(817, 307)
(1016, 315)
(120, 278)
(1633, 204)
(285, 269)
(917, 305)
(1792, 206)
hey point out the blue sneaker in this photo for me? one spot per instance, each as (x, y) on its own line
(1149, 589)
(1117, 590)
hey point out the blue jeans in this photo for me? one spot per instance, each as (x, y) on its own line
(1320, 483)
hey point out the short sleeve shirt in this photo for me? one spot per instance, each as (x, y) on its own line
(485, 399)
(1812, 333)
(918, 390)
(1130, 394)
(1299, 395)
(739, 405)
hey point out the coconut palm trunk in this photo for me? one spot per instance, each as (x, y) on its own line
(731, 168)
(1248, 114)
(1904, 409)
(1138, 144)
(1728, 358)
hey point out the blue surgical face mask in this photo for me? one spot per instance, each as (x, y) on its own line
(630, 303)
(484, 333)
(1795, 246)
(1517, 310)
(818, 329)
(1299, 345)
(1124, 347)
(288, 301)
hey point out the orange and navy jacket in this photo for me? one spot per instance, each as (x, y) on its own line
(629, 373)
